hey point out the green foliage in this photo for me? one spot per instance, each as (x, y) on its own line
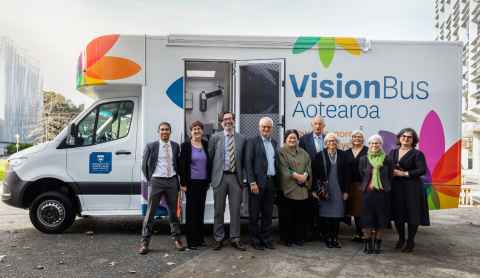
(12, 148)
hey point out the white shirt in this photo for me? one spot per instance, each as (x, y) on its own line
(162, 170)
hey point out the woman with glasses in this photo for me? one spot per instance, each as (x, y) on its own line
(409, 201)
(330, 173)
(354, 203)
(375, 170)
(295, 181)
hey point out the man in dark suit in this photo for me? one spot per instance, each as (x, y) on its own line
(260, 155)
(160, 167)
(312, 143)
(226, 149)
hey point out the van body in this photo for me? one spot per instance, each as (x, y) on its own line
(93, 167)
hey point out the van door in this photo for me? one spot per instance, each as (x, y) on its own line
(259, 92)
(102, 160)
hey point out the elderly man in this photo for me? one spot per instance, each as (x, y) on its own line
(312, 143)
(226, 149)
(260, 156)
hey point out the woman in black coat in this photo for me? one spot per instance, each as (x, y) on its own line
(195, 174)
(409, 200)
(376, 171)
(330, 167)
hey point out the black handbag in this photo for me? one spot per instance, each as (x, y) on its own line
(323, 184)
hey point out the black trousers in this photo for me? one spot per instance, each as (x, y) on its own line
(312, 228)
(295, 219)
(331, 227)
(195, 210)
(260, 207)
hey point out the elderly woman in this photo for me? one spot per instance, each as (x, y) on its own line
(331, 173)
(354, 203)
(375, 170)
(194, 174)
(409, 201)
(295, 182)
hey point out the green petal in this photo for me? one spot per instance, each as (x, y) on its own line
(326, 50)
(432, 198)
(304, 43)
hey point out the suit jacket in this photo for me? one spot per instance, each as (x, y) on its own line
(150, 158)
(256, 163)
(307, 143)
(386, 173)
(343, 170)
(186, 161)
(216, 150)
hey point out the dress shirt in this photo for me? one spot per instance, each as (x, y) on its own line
(270, 152)
(228, 137)
(318, 140)
(162, 164)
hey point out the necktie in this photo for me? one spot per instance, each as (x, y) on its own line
(169, 159)
(231, 152)
(318, 145)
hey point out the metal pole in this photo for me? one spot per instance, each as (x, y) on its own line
(17, 136)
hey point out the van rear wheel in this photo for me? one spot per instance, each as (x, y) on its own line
(52, 212)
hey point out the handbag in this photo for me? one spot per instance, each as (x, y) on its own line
(323, 184)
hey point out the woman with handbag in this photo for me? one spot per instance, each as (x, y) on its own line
(194, 171)
(376, 171)
(295, 182)
(330, 178)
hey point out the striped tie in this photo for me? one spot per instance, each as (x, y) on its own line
(231, 152)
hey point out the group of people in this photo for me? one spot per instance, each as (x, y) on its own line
(314, 184)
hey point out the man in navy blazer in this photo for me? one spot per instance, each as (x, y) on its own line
(160, 168)
(312, 143)
(260, 156)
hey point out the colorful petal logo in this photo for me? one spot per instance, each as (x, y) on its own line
(326, 47)
(94, 67)
(442, 179)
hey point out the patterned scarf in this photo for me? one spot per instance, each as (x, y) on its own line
(376, 160)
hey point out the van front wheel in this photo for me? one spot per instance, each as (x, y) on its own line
(52, 212)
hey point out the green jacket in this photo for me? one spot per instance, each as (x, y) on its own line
(294, 161)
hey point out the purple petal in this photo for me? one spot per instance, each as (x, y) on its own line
(432, 140)
(389, 140)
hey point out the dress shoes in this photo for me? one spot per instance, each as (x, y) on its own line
(237, 245)
(269, 245)
(179, 245)
(218, 245)
(143, 250)
(257, 246)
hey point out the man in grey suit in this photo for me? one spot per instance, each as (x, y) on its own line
(160, 167)
(260, 156)
(226, 151)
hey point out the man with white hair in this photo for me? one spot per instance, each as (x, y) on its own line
(260, 157)
(312, 143)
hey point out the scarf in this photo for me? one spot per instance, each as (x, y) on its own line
(376, 160)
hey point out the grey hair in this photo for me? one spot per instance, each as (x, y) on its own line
(358, 131)
(375, 137)
(268, 119)
(330, 134)
(318, 118)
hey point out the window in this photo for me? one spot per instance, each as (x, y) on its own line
(107, 122)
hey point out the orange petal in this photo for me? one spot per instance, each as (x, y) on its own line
(448, 167)
(112, 68)
(448, 201)
(97, 48)
(349, 44)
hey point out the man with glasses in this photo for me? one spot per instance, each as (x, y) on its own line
(160, 167)
(260, 155)
(226, 150)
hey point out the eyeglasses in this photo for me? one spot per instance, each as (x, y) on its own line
(266, 126)
(164, 129)
(407, 136)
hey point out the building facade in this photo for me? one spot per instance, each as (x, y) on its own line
(458, 20)
(21, 99)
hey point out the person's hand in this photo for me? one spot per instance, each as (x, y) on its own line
(254, 188)
(315, 195)
(345, 196)
(300, 178)
(183, 188)
(400, 173)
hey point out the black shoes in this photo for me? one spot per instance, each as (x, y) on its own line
(269, 245)
(237, 245)
(400, 244)
(408, 247)
(143, 250)
(328, 242)
(377, 246)
(336, 243)
(257, 246)
(179, 245)
(218, 245)
(368, 247)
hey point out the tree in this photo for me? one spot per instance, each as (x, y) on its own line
(57, 113)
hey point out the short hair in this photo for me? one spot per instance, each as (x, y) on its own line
(195, 124)
(358, 131)
(165, 123)
(330, 134)
(414, 136)
(222, 114)
(266, 119)
(375, 137)
(318, 118)
(288, 132)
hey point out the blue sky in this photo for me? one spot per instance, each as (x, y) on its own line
(53, 32)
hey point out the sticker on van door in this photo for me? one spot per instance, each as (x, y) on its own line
(100, 163)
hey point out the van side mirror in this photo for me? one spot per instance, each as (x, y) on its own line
(71, 139)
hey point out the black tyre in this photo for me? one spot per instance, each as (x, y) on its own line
(52, 212)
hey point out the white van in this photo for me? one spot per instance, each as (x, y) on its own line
(93, 166)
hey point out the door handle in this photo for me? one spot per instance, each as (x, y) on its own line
(123, 152)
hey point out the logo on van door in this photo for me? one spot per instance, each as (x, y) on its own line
(100, 163)
(326, 47)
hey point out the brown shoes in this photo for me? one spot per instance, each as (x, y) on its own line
(143, 249)
(218, 245)
(237, 245)
(179, 245)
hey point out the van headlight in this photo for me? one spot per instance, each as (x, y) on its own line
(15, 162)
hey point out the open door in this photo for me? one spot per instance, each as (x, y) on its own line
(259, 92)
